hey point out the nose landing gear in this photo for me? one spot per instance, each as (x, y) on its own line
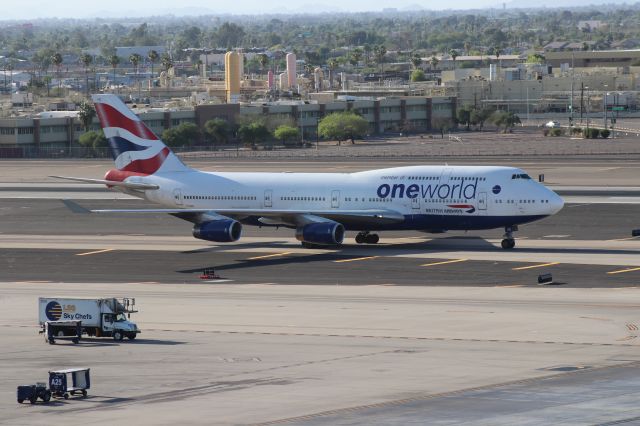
(509, 242)
(365, 237)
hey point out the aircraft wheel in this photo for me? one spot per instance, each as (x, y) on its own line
(508, 244)
(360, 238)
(372, 239)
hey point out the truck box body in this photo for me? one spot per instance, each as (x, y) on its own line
(100, 317)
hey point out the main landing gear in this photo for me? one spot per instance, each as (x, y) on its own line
(365, 237)
(509, 242)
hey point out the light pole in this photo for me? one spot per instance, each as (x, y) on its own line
(604, 105)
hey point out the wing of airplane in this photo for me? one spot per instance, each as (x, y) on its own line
(128, 185)
(267, 216)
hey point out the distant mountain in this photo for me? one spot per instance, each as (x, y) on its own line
(527, 4)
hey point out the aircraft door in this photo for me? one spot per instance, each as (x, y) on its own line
(482, 202)
(335, 199)
(177, 197)
(415, 203)
(268, 198)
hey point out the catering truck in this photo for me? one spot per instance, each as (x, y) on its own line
(97, 317)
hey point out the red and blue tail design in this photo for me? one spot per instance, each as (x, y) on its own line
(136, 150)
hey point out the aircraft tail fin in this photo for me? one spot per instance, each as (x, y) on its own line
(136, 150)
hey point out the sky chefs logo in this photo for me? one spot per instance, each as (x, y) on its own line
(464, 189)
(53, 311)
(496, 189)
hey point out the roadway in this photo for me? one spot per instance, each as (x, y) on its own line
(446, 329)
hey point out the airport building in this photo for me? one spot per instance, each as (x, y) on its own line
(26, 136)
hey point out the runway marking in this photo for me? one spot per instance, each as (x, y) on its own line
(540, 265)
(445, 262)
(509, 286)
(94, 252)
(622, 271)
(625, 239)
(556, 236)
(267, 256)
(609, 168)
(354, 259)
(32, 282)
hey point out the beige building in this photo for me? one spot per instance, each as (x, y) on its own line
(26, 137)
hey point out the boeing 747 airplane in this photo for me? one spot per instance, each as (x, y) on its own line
(319, 206)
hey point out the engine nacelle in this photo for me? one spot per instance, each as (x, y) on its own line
(326, 233)
(220, 231)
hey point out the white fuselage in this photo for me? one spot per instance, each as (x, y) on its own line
(431, 198)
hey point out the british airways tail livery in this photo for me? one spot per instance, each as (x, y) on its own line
(319, 206)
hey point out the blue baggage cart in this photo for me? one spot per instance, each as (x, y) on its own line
(72, 381)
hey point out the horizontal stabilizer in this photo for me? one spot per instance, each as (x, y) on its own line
(129, 185)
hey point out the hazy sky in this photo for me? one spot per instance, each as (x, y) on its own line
(33, 9)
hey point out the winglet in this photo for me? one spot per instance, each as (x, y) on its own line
(75, 207)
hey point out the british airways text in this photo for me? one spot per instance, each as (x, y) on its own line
(464, 189)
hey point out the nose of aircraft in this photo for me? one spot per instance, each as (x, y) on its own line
(555, 203)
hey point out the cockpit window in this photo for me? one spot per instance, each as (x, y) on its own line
(521, 176)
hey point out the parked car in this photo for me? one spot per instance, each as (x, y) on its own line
(552, 125)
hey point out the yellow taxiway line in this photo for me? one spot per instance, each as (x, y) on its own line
(354, 259)
(94, 252)
(621, 271)
(541, 265)
(445, 262)
(267, 256)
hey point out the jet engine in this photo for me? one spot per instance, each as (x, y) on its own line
(221, 231)
(325, 233)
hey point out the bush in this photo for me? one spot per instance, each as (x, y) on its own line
(183, 135)
(604, 133)
(591, 133)
(556, 132)
(576, 130)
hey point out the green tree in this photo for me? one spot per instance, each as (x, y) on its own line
(286, 133)
(380, 53)
(167, 62)
(454, 54)
(434, 62)
(183, 135)
(417, 75)
(114, 61)
(416, 61)
(505, 120)
(342, 126)
(56, 60)
(253, 133)
(463, 116)
(86, 61)
(86, 114)
(480, 116)
(153, 58)
(217, 130)
(93, 140)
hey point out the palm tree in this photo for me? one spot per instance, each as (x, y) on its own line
(434, 62)
(264, 61)
(454, 54)
(114, 60)
(153, 58)
(167, 62)
(332, 64)
(380, 52)
(135, 60)
(86, 60)
(56, 60)
(416, 61)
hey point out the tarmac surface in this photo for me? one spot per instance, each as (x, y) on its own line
(419, 329)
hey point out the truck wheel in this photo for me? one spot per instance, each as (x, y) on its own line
(20, 401)
(84, 393)
(117, 335)
(66, 396)
(47, 396)
(132, 336)
(33, 399)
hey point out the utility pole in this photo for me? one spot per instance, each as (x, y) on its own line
(581, 100)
